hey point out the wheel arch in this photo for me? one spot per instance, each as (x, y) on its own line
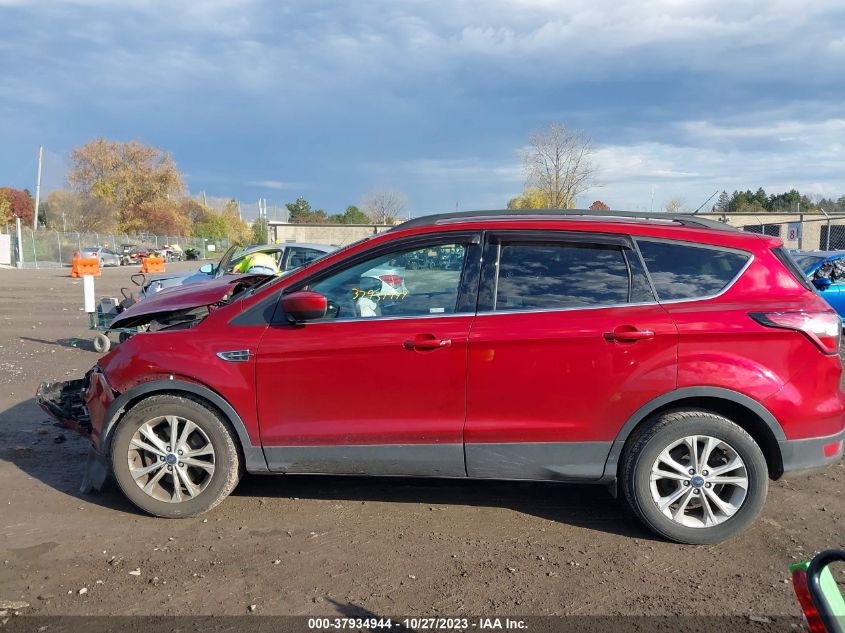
(746, 412)
(253, 456)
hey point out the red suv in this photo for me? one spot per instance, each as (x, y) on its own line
(680, 360)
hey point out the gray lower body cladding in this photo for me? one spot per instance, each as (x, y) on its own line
(554, 461)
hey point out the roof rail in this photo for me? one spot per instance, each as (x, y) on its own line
(503, 214)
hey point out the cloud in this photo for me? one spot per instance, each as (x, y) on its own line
(274, 184)
(436, 97)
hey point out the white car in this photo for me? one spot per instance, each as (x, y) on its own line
(105, 256)
(289, 255)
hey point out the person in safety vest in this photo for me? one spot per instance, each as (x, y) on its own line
(257, 263)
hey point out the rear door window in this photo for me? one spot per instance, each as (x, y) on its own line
(537, 275)
(681, 270)
(300, 255)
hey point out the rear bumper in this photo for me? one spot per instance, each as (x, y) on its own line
(809, 455)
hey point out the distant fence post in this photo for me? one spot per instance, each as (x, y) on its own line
(20, 241)
(827, 245)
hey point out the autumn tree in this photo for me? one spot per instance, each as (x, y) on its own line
(16, 204)
(139, 180)
(674, 205)
(237, 230)
(598, 205)
(384, 206)
(73, 211)
(259, 231)
(557, 161)
(531, 198)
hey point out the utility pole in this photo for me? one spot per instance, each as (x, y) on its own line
(204, 199)
(38, 188)
(239, 210)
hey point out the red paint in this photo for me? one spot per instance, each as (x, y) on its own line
(183, 298)
(357, 383)
(554, 376)
(830, 450)
(304, 305)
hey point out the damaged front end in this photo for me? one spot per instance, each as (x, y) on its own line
(82, 405)
(65, 401)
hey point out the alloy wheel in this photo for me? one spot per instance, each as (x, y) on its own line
(171, 459)
(699, 481)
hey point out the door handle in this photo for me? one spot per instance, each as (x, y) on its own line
(626, 335)
(427, 344)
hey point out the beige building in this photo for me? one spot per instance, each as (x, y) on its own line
(811, 236)
(337, 234)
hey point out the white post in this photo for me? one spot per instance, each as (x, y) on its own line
(37, 189)
(20, 242)
(88, 295)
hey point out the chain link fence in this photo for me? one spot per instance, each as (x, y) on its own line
(54, 249)
(800, 231)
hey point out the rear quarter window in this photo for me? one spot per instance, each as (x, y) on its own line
(681, 270)
(796, 267)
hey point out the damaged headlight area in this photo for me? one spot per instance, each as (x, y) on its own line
(65, 401)
(178, 320)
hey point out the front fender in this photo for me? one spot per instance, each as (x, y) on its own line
(253, 453)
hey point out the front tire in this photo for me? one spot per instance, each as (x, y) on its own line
(174, 457)
(695, 477)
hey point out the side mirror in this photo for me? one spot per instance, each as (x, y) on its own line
(822, 283)
(304, 305)
(818, 592)
(207, 269)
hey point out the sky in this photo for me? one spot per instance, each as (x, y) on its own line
(329, 100)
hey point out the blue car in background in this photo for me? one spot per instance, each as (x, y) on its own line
(826, 269)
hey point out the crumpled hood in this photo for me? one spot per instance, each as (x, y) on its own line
(180, 298)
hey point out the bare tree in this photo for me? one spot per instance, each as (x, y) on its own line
(384, 205)
(674, 205)
(558, 162)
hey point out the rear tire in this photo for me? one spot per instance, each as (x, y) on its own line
(174, 471)
(694, 477)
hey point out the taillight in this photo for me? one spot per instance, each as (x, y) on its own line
(392, 280)
(802, 592)
(822, 328)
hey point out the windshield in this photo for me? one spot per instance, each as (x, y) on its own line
(807, 261)
(227, 256)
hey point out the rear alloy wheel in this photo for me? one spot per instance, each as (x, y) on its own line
(174, 457)
(695, 477)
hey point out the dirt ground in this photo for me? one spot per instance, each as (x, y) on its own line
(325, 545)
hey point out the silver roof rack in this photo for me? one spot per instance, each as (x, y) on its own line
(562, 214)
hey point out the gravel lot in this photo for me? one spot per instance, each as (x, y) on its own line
(328, 545)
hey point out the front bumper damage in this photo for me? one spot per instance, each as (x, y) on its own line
(81, 405)
(65, 401)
